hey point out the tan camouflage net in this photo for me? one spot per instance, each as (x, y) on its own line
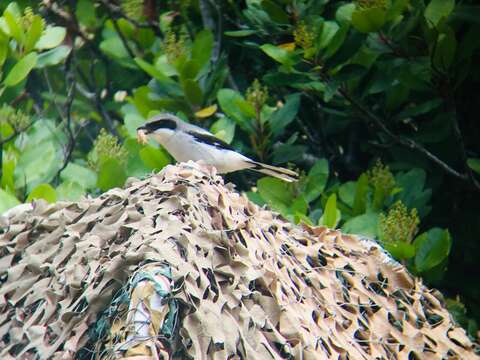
(245, 283)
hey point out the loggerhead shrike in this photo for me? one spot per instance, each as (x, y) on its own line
(189, 142)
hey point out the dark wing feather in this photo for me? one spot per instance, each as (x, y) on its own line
(210, 140)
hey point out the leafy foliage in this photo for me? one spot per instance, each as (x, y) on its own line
(373, 101)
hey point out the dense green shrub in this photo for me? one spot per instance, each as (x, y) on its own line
(374, 101)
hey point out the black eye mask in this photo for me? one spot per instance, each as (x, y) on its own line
(158, 124)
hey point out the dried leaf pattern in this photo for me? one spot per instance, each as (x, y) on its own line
(245, 283)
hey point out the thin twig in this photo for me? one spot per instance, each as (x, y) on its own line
(50, 90)
(92, 94)
(70, 82)
(117, 10)
(406, 142)
(231, 81)
(15, 133)
(206, 14)
(98, 101)
(461, 144)
(218, 32)
(396, 51)
(123, 39)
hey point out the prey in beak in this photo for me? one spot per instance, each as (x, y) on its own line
(142, 136)
(155, 126)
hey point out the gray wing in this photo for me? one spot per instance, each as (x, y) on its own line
(189, 128)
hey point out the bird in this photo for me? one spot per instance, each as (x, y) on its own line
(185, 141)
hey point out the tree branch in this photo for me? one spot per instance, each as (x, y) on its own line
(98, 102)
(406, 142)
(123, 39)
(209, 23)
(461, 144)
(117, 10)
(397, 51)
(70, 82)
(15, 133)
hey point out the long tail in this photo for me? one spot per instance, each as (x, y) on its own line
(278, 172)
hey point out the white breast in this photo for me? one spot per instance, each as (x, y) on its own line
(183, 148)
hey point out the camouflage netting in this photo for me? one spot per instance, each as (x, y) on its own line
(181, 265)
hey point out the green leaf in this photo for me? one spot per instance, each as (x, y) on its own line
(202, 48)
(189, 70)
(165, 67)
(246, 108)
(330, 217)
(240, 33)
(111, 174)
(432, 247)
(132, 122)
(278, 54)
(458, 311)
(14, 9)
(3, 50)
(420, 109)
(316, 180)
(14, 26)
(52, 37)
(329, 30)
(43, 191)
(40, 154)
(143, 102)
(151, 70)
(229, 100)
(435, 130)
(135, 166)
(192, 90)
(365, 225)
(277, 193)
(299, 206)
(400, 250)
(436, 10)
(21, 70)
(8, 168)
(413, 194)
(7, 201)
(256, 198)
(85, 12)
(346, 192)
(53, 57)
(70, 191)
(474, 164)
(85, 177)
(224, 129)
(395, 10)
(337, 42)
(369, 19)
(285, 152)
(344, 14)
(34, 33)
(114, 48)
(285, 115)
(445, 49)
(275, 12)
(154, 159)
(379, 196)
(360, 200)
(347, 48)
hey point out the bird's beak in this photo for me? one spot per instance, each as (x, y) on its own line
(142, 135)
